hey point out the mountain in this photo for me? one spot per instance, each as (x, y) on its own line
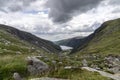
(16, 46)
(71, 42)
(105, 40)
(31, 39)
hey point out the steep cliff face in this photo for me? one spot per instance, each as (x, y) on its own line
(32, 39)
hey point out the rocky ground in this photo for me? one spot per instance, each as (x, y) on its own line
(35, 66)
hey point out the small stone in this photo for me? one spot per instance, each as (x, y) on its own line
(16, 76)
(84, 62)
(18, 52)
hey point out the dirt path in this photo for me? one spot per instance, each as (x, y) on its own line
(112, 76)
(46, 78)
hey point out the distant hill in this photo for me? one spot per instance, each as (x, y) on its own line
(105, 40)
(13, 34)
(71, 42)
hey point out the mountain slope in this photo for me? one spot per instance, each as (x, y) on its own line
(28, 37)
(72, 42)
(106, 39)
(16, 46)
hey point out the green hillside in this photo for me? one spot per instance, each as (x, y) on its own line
(31, 39)
(105, 40)
(10, 44)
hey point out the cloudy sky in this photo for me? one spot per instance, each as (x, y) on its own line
(58, 19)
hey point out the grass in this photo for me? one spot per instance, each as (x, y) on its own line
(10, 64)
(77, 74)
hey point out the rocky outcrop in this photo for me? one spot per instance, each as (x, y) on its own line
(36, 66)
(113, 63)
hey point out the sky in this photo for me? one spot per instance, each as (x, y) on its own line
(58, 19)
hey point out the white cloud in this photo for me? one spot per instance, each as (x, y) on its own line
(98, 15)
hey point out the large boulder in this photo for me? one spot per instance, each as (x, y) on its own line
(36, 66)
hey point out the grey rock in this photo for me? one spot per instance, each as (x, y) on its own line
(84, 62)
(54, 62)
(115, 70)
(18, 52)
(36, 66)
(68, 67)
(16, 76)
(113, 63)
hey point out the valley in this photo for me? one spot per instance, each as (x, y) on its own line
(24, 56)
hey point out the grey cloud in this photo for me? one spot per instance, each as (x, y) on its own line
(2, 10)
(63, 10)
(88, 28)
(42, 29)
(114, 2)
(14, 5)
(117, 10)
